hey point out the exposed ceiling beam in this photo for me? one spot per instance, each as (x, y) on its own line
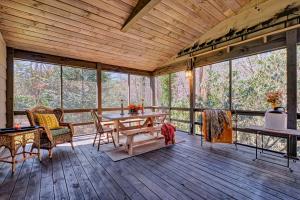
(141, 9)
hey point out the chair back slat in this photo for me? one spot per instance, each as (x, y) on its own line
(97, 121)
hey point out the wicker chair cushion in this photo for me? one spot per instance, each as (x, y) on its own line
(47, 120)
(59, 131)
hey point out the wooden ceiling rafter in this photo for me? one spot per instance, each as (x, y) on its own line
(51, 22)
(73, 44)
(49, 12)
(16, 27)
(142, 8)
(166, 19)
(91, 29)
(108, 31)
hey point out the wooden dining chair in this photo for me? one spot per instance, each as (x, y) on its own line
(100, 130)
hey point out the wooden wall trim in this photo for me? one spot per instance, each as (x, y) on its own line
(125, 70)
(40, 57)
(10, 87)
(214, 56)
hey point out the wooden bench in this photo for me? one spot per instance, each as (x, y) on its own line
(130, 144)
(129, 121)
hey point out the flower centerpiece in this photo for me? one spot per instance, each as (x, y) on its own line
(134, 109)
(275, 98)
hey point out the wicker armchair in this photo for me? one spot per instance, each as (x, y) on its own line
(50, 138)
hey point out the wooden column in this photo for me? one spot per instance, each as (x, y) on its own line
(152, 85)
(61, 88)
(99, 84)
(170, 97)
(192, 101)
(230, 85)
(291, 43)
(129, 90)
(10, 87)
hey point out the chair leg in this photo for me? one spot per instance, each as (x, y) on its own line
(95, 139)
(99, 141)
(31, 150)
(72, 145)
(107, 138)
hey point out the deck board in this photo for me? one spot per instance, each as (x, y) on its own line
(183, 171)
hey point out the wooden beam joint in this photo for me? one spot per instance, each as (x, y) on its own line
(141, 9)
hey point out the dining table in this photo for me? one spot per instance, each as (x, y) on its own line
(119, 119)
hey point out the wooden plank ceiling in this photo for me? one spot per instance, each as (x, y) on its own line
(91, 29)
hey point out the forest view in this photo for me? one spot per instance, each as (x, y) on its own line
(73, 88)
(252, 77)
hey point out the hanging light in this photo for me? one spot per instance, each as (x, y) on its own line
(188, 73)
(189, 69)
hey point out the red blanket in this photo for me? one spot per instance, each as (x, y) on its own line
(168, 131)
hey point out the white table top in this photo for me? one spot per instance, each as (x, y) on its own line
(132, 116)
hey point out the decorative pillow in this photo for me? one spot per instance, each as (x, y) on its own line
(47, 120)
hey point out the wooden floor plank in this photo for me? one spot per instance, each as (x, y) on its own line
(60, 185)
(206, 184)
(95, 178)
(178, 185)
(21, 185)
(183, 171)
(173, 191)
(244, 160)
(149, 183)
(10, 181)
(73, 187)
(115, 190)
(246, 175)
(83, 180)
(192, 189)
(34, 184)
(119, 175)
(47, 183)
(209, 169)
(137, 184)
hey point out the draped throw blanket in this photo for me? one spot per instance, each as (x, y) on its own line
(217, 126)
(168, 131)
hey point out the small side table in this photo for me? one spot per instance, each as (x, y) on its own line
(287, 134)
(13, 139)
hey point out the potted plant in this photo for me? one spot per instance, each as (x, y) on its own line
(134, 109)
(275, 98)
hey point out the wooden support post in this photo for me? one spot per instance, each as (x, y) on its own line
(192, 100)
(170, 97)
(291, 43)
(152, 85)
(61, 88)
(129, 89)
(10, 87)
(230, 85)
(99, 84)
(141, 9)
